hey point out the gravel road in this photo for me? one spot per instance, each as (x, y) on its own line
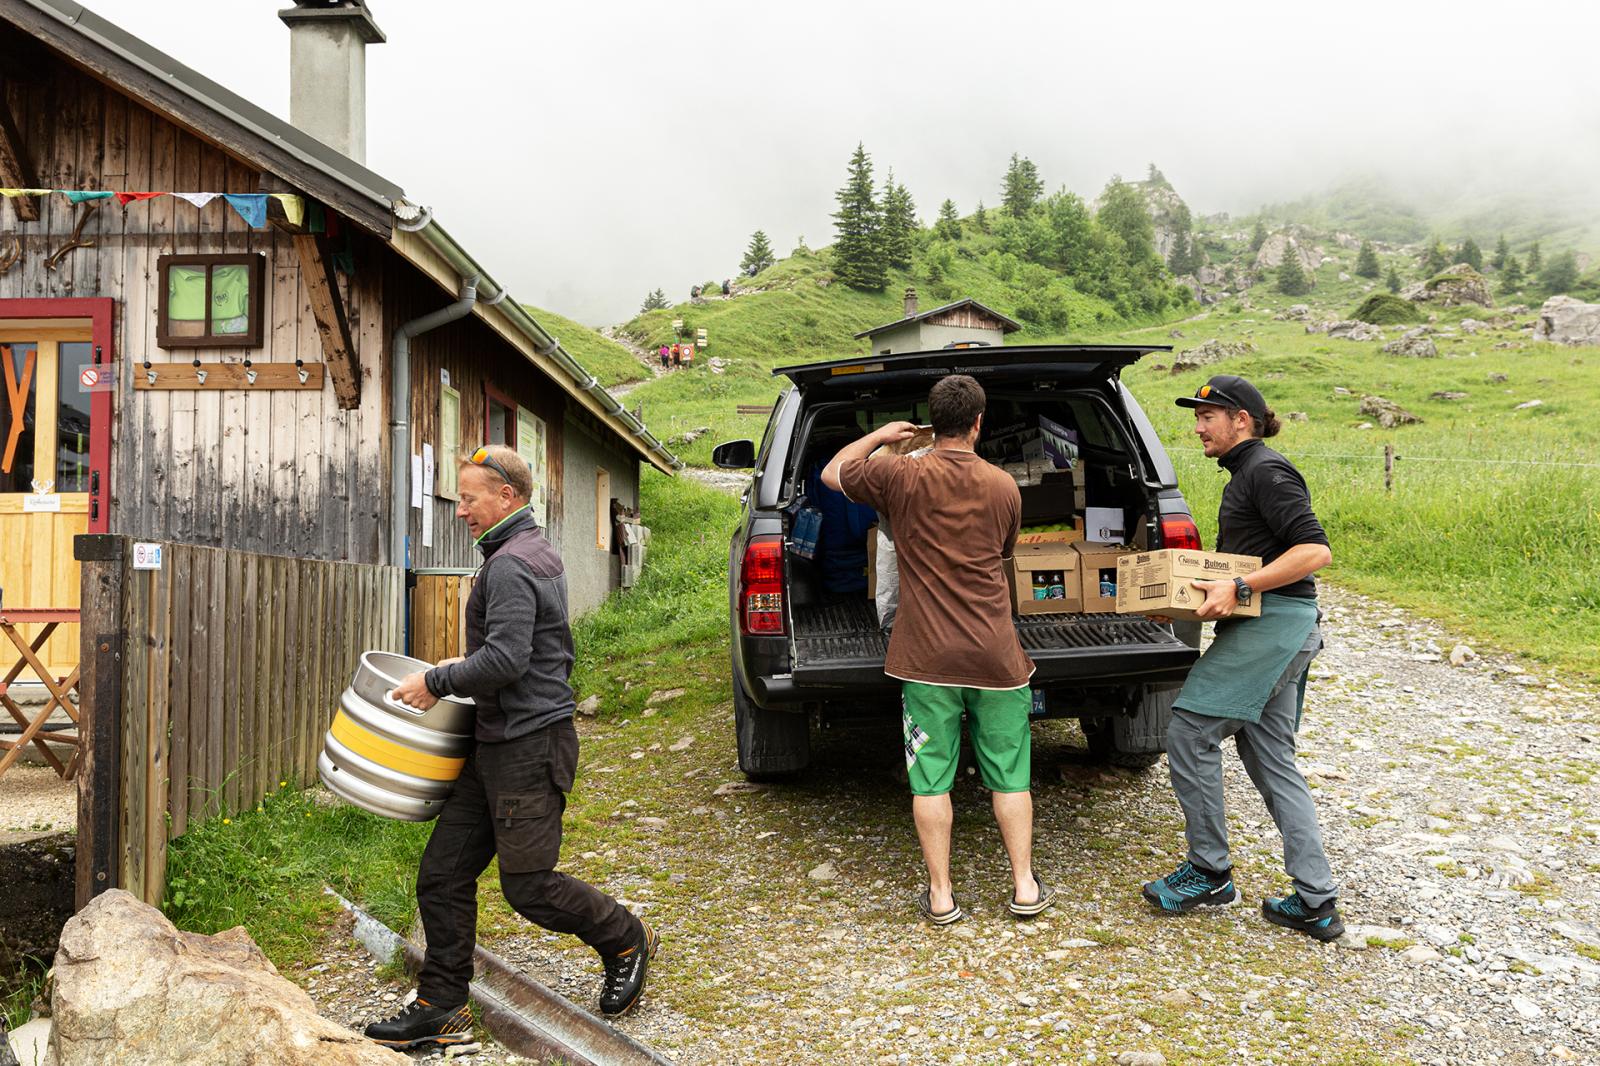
(1461, 811)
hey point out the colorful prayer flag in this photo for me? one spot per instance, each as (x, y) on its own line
(126, 198)
(252, 206)
(199, 199)
(83, 197)
(294, 208)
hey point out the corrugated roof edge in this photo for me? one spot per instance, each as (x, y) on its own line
(236, 108)
(416, 219)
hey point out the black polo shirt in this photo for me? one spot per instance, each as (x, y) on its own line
(1266, 509)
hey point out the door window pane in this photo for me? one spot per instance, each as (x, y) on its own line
(72, 418)
(19, 367)
(501, 426)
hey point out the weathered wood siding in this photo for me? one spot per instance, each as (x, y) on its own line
(475, 357)
(287, 472)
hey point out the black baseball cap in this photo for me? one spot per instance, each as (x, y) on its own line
(1228, 390)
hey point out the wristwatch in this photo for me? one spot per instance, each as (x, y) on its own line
(1244, 591)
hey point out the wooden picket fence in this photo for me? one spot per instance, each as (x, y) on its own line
(230, 668)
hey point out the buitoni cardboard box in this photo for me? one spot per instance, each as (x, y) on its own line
(1097, 575)
(1050, 557)
(1159, 582)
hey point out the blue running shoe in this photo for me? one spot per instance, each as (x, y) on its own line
(1189, 887)
(1292, 912)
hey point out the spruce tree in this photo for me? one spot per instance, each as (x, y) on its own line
(1501, 251)
(1560, 274)
(1511, 277)
(1185, 255)
(1438, 259)
(1292, 280)
(858, 258)
(1258, 236)
(899, 223)
(1535, 260)
(1367, 261)
(1022, 187)
(654, 302)
(1392, 282)
(949, 225)
(758, 256)
(1470, 254)
(980, 218)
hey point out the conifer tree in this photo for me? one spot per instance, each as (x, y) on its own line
(899, 223)
(1501, 251)
(1022, 187)
(1560, 274)
(1258, 236)
(980, 218)
(1185, 256)
(858, 258)
(758, 256)
(949, 225)
(1438, 259)
(1292, 280)
(1367, 261)
(654, 302)
(1470, 254)
(1511, 276)
(1535, 260)
(1392, 282)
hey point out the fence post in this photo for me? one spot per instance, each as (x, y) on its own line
(1388, 468)
(101, 643)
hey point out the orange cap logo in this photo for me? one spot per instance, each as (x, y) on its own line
(1205, 390)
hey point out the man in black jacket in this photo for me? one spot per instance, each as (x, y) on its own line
(512, 791)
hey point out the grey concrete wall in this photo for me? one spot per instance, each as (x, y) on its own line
(591, 574)
(900, 339)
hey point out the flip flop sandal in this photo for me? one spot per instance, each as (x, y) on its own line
(949, 917)
(1047, 896)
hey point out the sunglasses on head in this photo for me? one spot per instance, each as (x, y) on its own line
(481, 457)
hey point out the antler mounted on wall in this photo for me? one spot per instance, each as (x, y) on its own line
(10, 253)
(76, 240)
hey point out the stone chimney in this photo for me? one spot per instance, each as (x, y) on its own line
(328, 71)
(911, 302)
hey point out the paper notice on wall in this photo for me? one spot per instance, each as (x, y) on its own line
(531, 446)
(416, 481)
(427, 470)
(427, 521)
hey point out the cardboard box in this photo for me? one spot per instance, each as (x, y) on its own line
(1097, 575)
(1158, 582)
(923, 438)
(1054, 536)
(1049, 557)
(1105, 525)
(1060, 443)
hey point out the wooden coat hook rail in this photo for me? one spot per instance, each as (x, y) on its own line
(210, 377)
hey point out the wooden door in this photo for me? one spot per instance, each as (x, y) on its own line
(45, 425)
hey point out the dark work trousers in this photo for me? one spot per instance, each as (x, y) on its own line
(508, 802)
(1267, 749)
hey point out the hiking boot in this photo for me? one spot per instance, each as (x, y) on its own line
(625, 974)
(1189, 887)
(421, 1024)
(1292, 912)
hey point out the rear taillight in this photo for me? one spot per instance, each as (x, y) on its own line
(761, 586)
(1179, 531)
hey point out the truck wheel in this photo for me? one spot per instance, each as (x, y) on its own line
(1110, 745)
(772, 744)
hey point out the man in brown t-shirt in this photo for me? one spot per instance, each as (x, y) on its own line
(953, 647)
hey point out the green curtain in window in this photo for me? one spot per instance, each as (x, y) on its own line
(230, 299)
(186, 294)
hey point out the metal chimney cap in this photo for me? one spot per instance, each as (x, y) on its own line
(352, 11)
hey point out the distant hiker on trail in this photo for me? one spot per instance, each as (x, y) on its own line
(677, 356)
(513, 789)
(953, 647)
(727, 287)
(1250, 684)
(665, 355)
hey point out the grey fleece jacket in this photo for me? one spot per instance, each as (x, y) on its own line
(519, 645)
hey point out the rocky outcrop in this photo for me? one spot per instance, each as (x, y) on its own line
(1212, 351)
(1564, 320)
(1293, 313)
(131, 989)
(1270, 256)
(1414, 344)
(1459, 284)
(1349, 330)
(1388, 413)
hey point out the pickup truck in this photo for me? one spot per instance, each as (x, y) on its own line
(801, 655)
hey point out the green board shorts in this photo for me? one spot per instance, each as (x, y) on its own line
(1002, 738)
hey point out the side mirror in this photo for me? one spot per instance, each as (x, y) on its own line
(735, 455)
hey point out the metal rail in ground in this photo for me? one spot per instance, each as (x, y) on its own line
(521, 1013)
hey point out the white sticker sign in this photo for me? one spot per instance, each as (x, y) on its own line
(41, 503)
(146, 556)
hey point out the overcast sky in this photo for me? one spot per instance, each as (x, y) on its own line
(587, 153)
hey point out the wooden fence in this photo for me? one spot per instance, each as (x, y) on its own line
(205, 683)
(439, 613)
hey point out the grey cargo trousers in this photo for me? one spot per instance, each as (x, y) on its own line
(1267, 747)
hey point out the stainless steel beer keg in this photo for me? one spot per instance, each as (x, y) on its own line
(389, 758)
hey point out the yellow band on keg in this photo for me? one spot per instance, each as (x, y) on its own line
(385, 752)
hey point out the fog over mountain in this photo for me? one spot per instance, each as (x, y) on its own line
(589, 153)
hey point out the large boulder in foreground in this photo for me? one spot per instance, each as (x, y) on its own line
(1564, 320)
(131, 989)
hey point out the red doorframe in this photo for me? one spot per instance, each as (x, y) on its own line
(101, 311)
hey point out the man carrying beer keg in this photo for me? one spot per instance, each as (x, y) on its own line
(512, 791)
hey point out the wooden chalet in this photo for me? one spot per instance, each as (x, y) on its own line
(965, 323)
